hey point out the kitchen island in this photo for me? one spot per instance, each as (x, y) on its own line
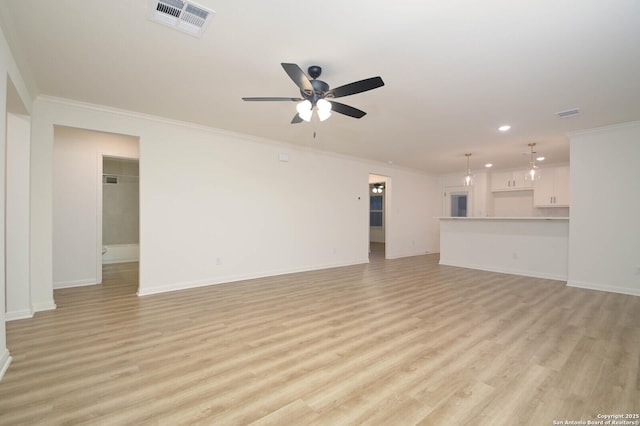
(530, 246)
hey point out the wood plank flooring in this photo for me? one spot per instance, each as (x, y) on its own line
(393, 342)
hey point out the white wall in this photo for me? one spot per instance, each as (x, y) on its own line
(8, 72)
(17, 218)
(604, 242)
(530, 247)
(413, 208)
(218, 207)
(77, 172)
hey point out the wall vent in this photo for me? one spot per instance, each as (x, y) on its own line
(568, 113)
(110, 179)
(184, 16)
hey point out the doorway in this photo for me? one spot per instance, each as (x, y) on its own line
(78, 198)
(379, 187)
(120, 210)
(457, 201)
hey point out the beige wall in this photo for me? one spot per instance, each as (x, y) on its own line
(120, 206)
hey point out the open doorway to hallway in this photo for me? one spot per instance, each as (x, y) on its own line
(378, 206)
(120, 210)
(78, 183)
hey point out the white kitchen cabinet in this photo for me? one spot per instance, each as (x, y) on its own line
(510, 181)
(552, 190)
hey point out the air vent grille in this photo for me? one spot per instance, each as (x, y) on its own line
(182, 15)
(568, 113)
(110, 179)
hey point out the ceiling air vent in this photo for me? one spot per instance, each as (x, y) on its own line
(568, 113)
(185, 16)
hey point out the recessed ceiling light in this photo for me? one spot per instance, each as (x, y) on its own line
(488, 165)
(540, 159)
(504, 128)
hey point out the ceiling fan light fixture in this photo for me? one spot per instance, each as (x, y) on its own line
(304, 110)
(323, 105)
(323, 115)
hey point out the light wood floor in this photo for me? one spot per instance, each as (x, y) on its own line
(393, 342)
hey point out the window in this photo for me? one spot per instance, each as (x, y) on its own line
(459, 205)
(376, 204)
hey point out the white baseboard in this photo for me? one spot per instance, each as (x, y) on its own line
(411, 254)
(122, 260)
(524, 273)
(5, 360)
(603, 287)
(121, 253)
(74, 283)
(18, 315)
(43, 306)
(234, 278)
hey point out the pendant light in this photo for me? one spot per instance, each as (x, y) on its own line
(468, 178)
(377, 188)
(534, 172)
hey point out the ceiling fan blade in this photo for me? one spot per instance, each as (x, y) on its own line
(356, 87)
(272, 99)
(296, 119)
(299, 77)
(347, 110)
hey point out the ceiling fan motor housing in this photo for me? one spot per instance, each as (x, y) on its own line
(314, 71)
(319, 89)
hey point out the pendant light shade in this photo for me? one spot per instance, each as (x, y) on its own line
(304, 110)
(534, 172)
(468, 177)
(324, 109)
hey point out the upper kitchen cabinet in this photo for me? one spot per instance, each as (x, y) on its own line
(510, 181)
(552, 190)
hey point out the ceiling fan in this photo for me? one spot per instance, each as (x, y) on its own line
(316, 93)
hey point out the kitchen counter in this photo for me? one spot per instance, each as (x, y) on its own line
(504, 218)
(530, 246)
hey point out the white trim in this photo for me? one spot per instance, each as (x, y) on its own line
(100, 165)
(5, 360)
(410, 254)
(18, 315)
(121, 260)
(607, 288)
(75, 283)
(603, 129)
(121, 253)
(233, 278)
(218, 131)
(43, 306)
(524, 273)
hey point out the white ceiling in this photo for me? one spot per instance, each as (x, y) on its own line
(454, 70)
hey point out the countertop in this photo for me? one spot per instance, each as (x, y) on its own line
(505, 218)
